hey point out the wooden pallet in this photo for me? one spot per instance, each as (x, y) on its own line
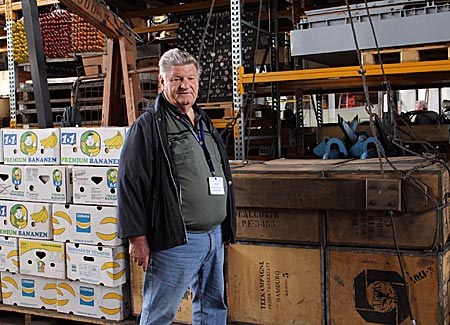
(53, 317)
(407, 54)
(218, 110)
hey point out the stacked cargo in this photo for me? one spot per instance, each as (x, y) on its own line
(32, 180)
(68, 256)
(350, 217)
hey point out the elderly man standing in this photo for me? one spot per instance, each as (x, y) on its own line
(176, 200)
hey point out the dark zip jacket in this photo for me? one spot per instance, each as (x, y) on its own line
(148, 192)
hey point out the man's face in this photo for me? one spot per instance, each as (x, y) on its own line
(180, 85)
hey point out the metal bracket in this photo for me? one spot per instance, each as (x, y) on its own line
(383, 194)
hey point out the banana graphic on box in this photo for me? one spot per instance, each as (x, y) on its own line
(13, 255)
(50, 142)
(57, 223)
(5, 280)
(41, 216)
(50, 301)
(114, 142)
(63, 215)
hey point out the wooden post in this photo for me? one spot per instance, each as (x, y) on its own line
(130, 82)
(111, 113)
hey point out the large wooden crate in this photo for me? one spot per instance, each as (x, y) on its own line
(274, 285)
(350, 190)
(366, 287)
(279, 225)
(184, 314)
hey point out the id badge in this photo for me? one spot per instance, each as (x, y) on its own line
(216, 186)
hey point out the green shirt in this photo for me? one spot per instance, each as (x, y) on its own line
(201, 211)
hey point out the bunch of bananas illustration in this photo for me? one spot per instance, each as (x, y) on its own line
(115, 274)
(55, 220)
(50, 142)
(106, 237)
(41, 216)
(115, 296)
(50, 301)
(7, 279)
(115, 142)
(13, 255)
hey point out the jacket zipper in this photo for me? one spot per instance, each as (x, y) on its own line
(173, 179)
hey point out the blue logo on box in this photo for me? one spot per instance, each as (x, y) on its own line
(28, 288)
(68, 138)
(86, 296)
(10, 139)
(83, 222)
(3, 210)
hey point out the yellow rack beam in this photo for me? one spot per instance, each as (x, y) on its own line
(17, 5)
(344, 72)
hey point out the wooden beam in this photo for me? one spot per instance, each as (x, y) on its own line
(154, 29)
(257, 191)
(111, 113)
(187, 7)
(101, 17)
(131, 82)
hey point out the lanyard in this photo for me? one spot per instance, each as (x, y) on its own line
(200, 139)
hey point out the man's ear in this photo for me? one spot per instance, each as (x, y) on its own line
(161, 80)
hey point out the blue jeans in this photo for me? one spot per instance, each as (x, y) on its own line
(198, 265)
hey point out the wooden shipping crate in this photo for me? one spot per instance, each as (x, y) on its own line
(422, 230)
(184, 314)
(366, 287)
(274, 285)
(353, 186)
(279, 225)
(346, 185)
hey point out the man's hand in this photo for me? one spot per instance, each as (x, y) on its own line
(139, 251)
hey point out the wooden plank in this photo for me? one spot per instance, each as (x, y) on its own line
(55, 315)
(131, 83)
(274, 285)
(430, 133)
(366, 286)
(374, 229)
(406, 54)
(112, 85)
(258, 191)
(154, 29)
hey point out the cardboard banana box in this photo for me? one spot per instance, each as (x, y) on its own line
(42, 258)
(31, 147)
(95, 185)
(94, 300)
(85, 224)
(26, 219)
(101, 265)
(28, 291)
(9, 254)
(92, 146)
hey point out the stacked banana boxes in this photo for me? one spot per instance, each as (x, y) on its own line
(97, 267)
(58, 252)
(31, 179)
